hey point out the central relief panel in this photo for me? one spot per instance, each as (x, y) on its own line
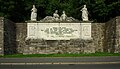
(54, 31)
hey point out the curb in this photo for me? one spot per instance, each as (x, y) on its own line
(62, 63)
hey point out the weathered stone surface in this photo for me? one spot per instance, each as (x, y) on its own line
(21, 34)
(113, 35)
(37, 46)
(98, 31)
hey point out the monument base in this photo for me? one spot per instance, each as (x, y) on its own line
(39, 46)
(53, 37)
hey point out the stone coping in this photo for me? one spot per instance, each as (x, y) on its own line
(59, 22)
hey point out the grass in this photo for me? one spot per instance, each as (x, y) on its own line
(60, 55)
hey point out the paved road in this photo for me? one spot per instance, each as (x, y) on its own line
(54, 60)
(61, 63)
(83, 66)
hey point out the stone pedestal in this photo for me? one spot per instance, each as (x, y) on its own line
(58, 37)
(76, 46)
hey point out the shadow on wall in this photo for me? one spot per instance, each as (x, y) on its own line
(9, 37)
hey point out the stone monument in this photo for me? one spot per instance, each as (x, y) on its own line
(84, 13)
(51, 33)
(33, 14)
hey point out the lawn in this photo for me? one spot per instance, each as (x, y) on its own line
(60, 55)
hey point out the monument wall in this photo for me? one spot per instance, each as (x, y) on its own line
(9, 37)
(58, 38)
(112, 43)
(8, 33)
(98, 35)
(21, 34)
(105, 38)
(61, 46)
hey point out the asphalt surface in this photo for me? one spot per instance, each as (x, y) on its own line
(61, 63)
(84, 66)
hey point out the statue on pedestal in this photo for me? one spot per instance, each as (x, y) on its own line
(33, 14)
(56, 16)
(63, 16)
(84, 13)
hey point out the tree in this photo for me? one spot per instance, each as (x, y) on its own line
(20, 10)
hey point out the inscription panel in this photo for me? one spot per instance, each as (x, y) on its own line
(86, 30)
(58, 31)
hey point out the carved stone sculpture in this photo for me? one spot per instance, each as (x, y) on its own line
(63, 16)
(56, 16)
(84, 13)
(33, 14)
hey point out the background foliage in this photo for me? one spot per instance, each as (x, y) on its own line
(99, 10)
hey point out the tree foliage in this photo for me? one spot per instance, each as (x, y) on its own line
(99, 10)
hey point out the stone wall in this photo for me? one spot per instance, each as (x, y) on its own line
(74, 46)
(113, 35)
(7, 36)
(110, 28)
(21, 33)
(98, 31)
(1, 36)
(105, 38)
(37, 46)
